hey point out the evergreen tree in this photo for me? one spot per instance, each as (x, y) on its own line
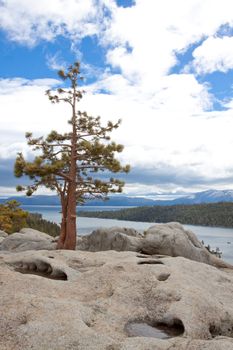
(12, 218)
(68, 162)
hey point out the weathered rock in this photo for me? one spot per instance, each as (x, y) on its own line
(174, 240)
(167, 239)
(3, 234)
(106, 291)
(114, 238)
(27, 239)
(36, 234)
(38, 264)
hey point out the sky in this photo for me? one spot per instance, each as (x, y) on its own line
(164, 67)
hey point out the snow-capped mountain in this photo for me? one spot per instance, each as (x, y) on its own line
(210, 196)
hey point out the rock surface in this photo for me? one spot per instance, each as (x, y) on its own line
(36, 234)
(27, 239)
(114, 238)
(103, 293)
(3, 234)
(166, 239)
(174, 240)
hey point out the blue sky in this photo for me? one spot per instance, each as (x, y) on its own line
(165, 67)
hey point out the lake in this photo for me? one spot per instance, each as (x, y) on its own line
(214, 236)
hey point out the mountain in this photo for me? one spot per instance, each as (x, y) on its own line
(34, 200)
(209, 196)
(54, 200)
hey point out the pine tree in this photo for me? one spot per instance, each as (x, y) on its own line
(12, 218)
(68, 163)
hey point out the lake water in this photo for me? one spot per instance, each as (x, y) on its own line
(214, 236)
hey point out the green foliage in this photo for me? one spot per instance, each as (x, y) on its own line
(213, 214)
(35, 221)
(67, 163)
(12, 218)
(87, 144)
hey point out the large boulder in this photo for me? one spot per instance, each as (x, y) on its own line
(166, 239)
(114, 238)
(174, 240)
(36, 234)
(113, 301)
(27, 239)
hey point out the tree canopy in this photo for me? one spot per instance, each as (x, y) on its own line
(68, 163)
(12, 218)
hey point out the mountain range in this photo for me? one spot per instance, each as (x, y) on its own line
(209, 196)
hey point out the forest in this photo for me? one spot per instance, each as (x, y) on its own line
(211, 214)
(13, 219)
(36, 221)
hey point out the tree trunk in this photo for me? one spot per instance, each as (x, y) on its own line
(62, 237)
(70, 239)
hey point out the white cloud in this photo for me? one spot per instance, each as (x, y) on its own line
(170, 134)
(165, 143)
(28, 21)
(215, 54)
(55, 62)
(166, 118)
(6, 192)
(156, 30)
(169, 141)
(24, 107)
(15, 84)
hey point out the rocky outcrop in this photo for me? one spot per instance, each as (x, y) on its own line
(27, 239)
(166, 239)
(95, 299)
(174, 240)
(114, 238)
(36, 234)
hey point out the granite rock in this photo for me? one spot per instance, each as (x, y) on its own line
(103, 293)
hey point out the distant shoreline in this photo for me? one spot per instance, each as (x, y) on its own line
(211, 214)
(216, 215)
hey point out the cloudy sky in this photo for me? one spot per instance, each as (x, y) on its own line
(165, 67)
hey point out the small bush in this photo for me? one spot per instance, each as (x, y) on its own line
(12, 218)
